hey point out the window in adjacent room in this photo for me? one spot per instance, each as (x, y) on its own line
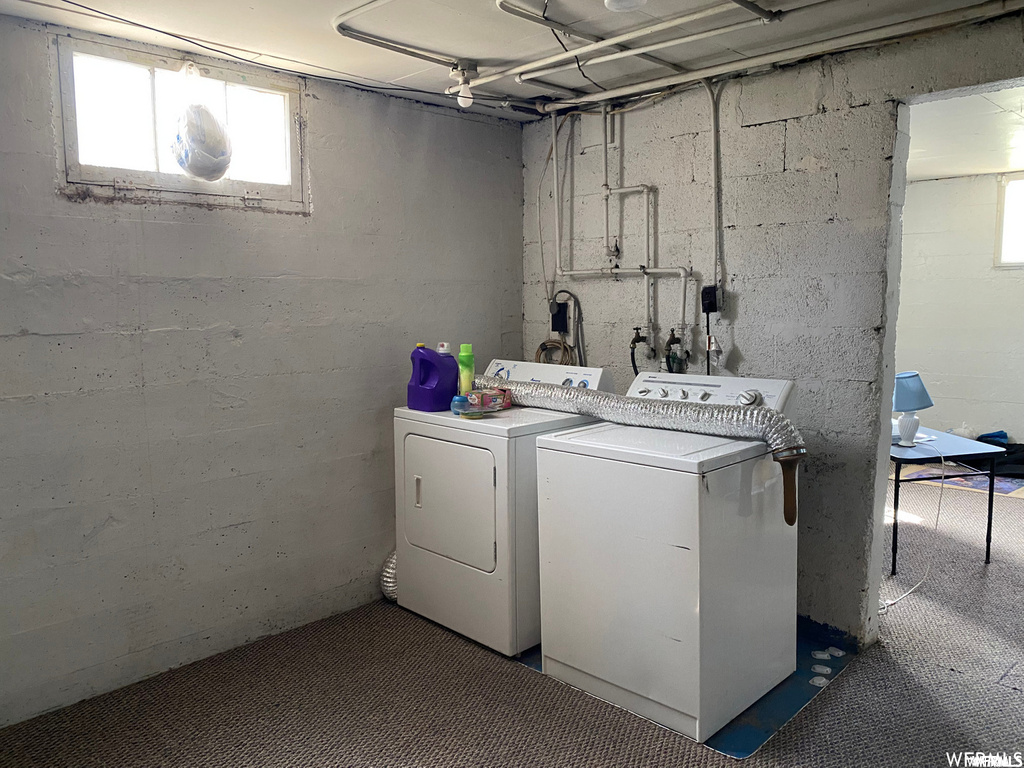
(1010, 240)
(120, 114)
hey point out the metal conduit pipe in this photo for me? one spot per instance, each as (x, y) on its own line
(380, 42)
(759, 22)
(556, 190)
(874, 36)
(388, 45)
(536, 18)
(648, 281)
(737, 421)
(429, 56)
(716, 179)
(611, 42)
(757, 10)
(358, 11)
(608, 252)
(629, 52)
(551, 87)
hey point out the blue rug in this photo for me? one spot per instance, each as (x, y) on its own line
(765, 717)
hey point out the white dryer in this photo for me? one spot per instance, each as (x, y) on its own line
(466, 511)
(668, 574)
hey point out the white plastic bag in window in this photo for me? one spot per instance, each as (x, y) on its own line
(202, 146)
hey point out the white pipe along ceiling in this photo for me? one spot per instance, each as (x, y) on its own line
(521, 58)
(597, 51)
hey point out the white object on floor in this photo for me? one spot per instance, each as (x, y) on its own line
(964, 431)
(821, 669)
(833, 651)
(665, 557)
(822, 655)
(819, 681)
(466, 511)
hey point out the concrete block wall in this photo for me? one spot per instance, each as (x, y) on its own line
(813, 173)
(960, 320)
(196, 404)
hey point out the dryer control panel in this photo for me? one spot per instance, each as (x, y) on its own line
(544, 373)
(719, 390)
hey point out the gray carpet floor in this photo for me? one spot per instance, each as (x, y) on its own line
(379, 687)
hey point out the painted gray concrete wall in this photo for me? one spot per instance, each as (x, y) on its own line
(812, 208)
(961, 318)
(196, 404)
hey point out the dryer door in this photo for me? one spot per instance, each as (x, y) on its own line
(449, 500)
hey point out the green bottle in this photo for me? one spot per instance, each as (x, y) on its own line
(467, 368)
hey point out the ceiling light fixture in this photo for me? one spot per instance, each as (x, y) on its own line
(464, 71)
(621, 6)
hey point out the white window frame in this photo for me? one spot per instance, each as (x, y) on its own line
(1002, 181)
(85, 181)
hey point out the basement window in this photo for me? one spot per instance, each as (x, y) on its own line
(1010, 237)
(120, 110)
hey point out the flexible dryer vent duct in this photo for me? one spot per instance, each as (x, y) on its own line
(758, 423)
(389, 577)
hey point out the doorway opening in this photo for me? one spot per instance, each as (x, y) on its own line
(954, 516)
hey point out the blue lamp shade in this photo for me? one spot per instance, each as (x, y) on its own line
(910, 394)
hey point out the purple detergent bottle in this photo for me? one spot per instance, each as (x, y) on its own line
(435, 379)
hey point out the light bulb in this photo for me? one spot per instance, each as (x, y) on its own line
(465, 96)
(623, 5)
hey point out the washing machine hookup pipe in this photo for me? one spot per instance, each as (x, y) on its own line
(739, 421)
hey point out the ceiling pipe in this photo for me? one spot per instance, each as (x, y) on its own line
(802, 10)
(610, 42)
(974, 13)
(557, 88)
(358, 11)
(533, 75)
(536, 18)
(390, 45)
(418, 53)
(757, 10)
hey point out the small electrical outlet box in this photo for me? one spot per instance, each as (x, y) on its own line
(560, 318)
(710, 299)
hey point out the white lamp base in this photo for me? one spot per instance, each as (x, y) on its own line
(907, 426)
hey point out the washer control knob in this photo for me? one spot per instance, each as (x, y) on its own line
(704, 395)
(683, 394)
(751, 397)
(567, 382)
(662, 393)
(643, 392)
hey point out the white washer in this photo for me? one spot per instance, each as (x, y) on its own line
(668, 574)
(466, 511)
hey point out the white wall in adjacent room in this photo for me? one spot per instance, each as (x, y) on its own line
(961, 321)
(196, 405)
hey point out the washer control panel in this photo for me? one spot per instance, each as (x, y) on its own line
(720, 390)
(544, 373)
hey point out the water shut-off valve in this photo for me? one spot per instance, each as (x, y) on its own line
(675, 362)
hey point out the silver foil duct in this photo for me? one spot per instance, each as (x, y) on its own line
(389, 577)
(752, 422)
(741, 421)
